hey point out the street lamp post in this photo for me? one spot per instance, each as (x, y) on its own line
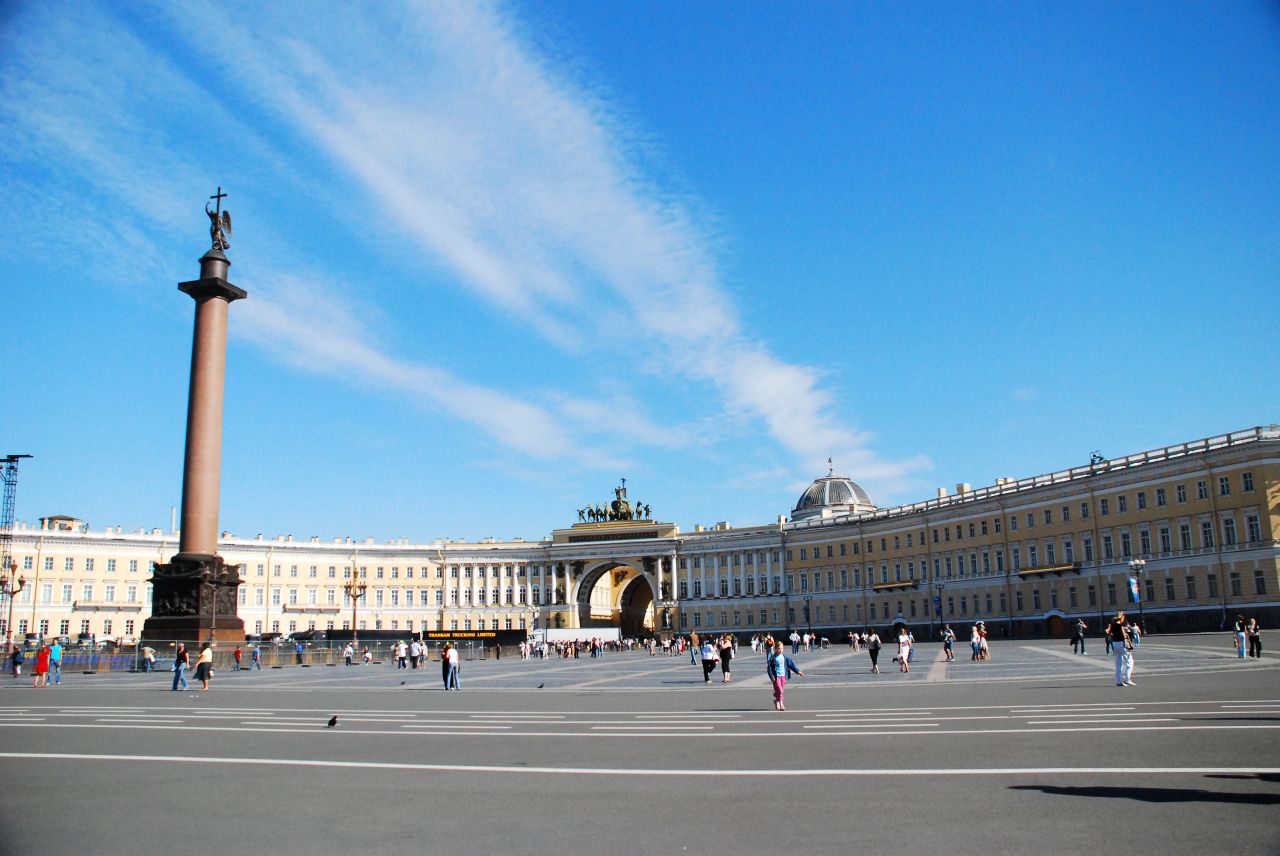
(10, 585)
(355, 589)
(808, 616)
(938, 586)
(1137, 566)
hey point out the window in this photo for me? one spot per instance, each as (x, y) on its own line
(1088, 548)
(1107, 551)
(1206, 534)
(1169, 594)
(1181, 492)
(1259, 582)
(1126, 544)
(1191, 588)
(1166, 544)
(1017, 559)
(1031, 520)
(1144, 540)
(1224, 486)
(1202, 489)
(1017, 599)
(1033, 557)
(1084, 511)
(69, 564)
(1013, 523)
(1246, 482)
(1235, 584)
(1254, 532)
(1068, 552)
(66, 592)
(1104, 507)
(1122, 504)
(1229, 532)
(1212, 580)
(87, 592)
(48, 563)
(1142, 499)
(1111, 594)
(1066, 514)
(1048, 517)
(1093, 595)
(1161, 498)
(1184, 536)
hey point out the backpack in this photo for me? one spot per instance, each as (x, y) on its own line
(18, 657)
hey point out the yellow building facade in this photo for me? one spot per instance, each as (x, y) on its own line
(1193, 526)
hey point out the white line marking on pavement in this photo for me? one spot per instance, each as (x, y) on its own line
(654, 727)
(144, 719)
(1093, 721)
(1105, 662)
(648, 730)
(688, 716)
(623, 771)
(848, 725)
(535, 717)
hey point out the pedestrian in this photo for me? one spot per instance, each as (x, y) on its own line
(949, 642)
(16, 659)
(694, 648)
(1254, 634)
(904, 651)
(1077, 640)
(779, 668)
(402, 655)
(452, 664)
(41, 670)
(1118, 633)
(298, 648)
(1240, 636)
(726, 657)
(256, 655)
(237, 654)
(415, 653)
(709, 658)
(873, 648)
(181, 660)
(204, 666)
(148, 658)
(55, 661)
(367, 656)
(347, 653)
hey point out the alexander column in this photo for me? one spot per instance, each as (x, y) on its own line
(194, 594)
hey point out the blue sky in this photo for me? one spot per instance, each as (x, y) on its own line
(500, 256)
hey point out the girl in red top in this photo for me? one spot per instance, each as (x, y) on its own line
(42, 667)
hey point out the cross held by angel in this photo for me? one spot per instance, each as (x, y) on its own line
(219, 222)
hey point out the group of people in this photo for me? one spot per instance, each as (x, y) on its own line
(714, 651)
(1248, 634)
(48, 663)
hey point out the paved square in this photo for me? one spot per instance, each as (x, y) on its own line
(1036, 750)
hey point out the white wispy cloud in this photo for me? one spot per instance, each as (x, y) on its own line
(524, 184)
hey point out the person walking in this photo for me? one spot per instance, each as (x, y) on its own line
(779, 668)
(726, 657)
(1254, 634)
(347, 653)
(237, 654)
(694, 648)
(904, 651)
(1118, 633)
(204, 666)
(181, 660)
(949, 642)
(256, 656)
(402, 655)
(55, 661)
(41, 670)
(148, 659)
(709, 658)
(16, 659)
(873, 649)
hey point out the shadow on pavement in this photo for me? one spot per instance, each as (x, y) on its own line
(1153, 795)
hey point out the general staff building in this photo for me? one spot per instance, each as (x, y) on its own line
(1191, 529)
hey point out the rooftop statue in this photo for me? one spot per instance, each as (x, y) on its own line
(219, 222)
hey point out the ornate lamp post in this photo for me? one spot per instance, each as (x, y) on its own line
(937, 605)
(355, 589)
(808, 615)
(10, 585)
(1137, 566)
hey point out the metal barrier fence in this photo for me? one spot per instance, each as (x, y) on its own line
(269, 656)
